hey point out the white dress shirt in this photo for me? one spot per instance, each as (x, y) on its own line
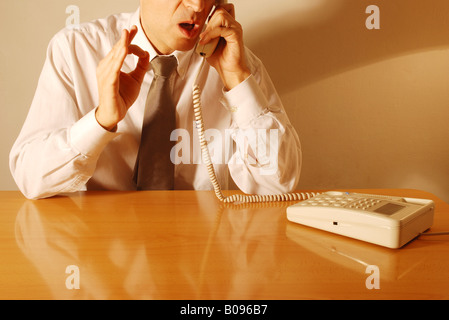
(62, 148)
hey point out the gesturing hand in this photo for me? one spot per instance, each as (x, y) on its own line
(118, 90)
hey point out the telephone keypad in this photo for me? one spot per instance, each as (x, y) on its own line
(341, 201)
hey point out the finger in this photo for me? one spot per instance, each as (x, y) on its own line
(143, 63)
(119, 52)
(113, 52)
(136, 50)
(214, 33)
(229, 7)
(125, 42)
(144, 58)
(113, 62)
(222, 24)
(132, 34)
(219, 17)
(138, 74)
(121, 42)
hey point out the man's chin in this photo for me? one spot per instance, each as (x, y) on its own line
(185, 45)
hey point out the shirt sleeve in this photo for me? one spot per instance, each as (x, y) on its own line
(58, 146)
(267, 159)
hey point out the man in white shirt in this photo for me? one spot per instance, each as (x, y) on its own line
(83, 128)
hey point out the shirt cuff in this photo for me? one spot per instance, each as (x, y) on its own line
(245, 101)
(88, 137)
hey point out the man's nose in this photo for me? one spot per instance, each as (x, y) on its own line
(195, 5)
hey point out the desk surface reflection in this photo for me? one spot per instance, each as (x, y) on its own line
(186, 245)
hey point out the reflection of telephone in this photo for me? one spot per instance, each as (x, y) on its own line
(383, 220)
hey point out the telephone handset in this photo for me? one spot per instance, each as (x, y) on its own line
(206, 50)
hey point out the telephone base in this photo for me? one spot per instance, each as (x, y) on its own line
(387, 221)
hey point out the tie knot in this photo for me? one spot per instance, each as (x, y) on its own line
(164, 65)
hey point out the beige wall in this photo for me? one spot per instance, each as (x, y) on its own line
(370, 106)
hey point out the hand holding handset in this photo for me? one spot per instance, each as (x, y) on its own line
(206, 51)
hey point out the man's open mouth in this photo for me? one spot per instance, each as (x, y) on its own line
(187, 26)
(189, 29)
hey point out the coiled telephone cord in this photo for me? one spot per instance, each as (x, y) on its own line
(235, 198)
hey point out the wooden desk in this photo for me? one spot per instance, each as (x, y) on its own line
(184, 245)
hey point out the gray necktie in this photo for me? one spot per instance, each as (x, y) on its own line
(154, 170)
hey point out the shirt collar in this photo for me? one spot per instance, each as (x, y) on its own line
(141, 40)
